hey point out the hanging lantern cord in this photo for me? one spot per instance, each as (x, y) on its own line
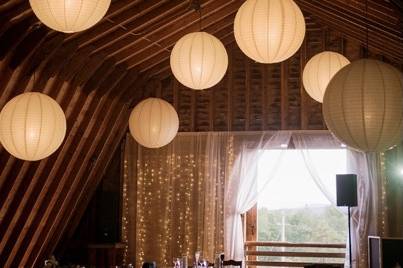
(196, 5)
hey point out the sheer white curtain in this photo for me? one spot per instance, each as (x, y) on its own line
(175, 198)
(241, 191)
(304, 141)
(366, 166)
(365, 215)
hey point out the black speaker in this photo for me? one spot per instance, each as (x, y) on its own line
(346, 186)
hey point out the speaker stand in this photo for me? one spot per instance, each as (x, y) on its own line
(349, 237)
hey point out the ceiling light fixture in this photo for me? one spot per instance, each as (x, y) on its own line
(32, 126)
(199, 60)
(70, 16)
(269, 31)
(319, 70)
(153, 123)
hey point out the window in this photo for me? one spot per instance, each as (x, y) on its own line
(291, 206)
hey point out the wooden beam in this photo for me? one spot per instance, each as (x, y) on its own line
(357, 15)
(12, 78)
(211, 114)
(18, 72)
(229, 87)
(378, 42)
(94, 136)
(82, 104)
(160, 63)
(14, 13)
(303, 95)
(398, 4)
(294, 254)
(99, 167)
(220, 18)
(37, 177)
(16, 85)
(12, 210)
(8, 5)
(175, 88)
(294, 245)
(247, 92)
(120, 12)
(19, 178)
(265, 88)
(140, 27)
(163, 69)
(166, 24)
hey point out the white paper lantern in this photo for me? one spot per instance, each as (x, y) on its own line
(199, 60)
(70, 16)
(269, 31)
(32, 126)
(153, 123)
(363, 107)
(319, 70)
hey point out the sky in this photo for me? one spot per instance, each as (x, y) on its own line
(292, 186)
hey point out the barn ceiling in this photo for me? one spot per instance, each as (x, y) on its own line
(97, 75)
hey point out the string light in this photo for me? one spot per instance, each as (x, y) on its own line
(125, 214)
(178, 209)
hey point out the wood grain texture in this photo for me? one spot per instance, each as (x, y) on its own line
(97, 76)
(252, 96)
(39, 199)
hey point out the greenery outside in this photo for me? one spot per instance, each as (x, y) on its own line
(313, 224)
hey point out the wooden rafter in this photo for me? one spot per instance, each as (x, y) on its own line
(28, 189)
(354, 26)
(97, 75)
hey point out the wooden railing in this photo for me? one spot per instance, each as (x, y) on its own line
(294, 254)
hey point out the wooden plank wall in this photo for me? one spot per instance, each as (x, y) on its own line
(38, 199)
(255, 96)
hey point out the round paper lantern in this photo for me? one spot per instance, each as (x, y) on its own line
(32, 126)
(269, 31)
(319, 70)
(199, 60)
(153, 123)
(362, 105)
(70, 16)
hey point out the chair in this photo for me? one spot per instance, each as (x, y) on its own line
(232, 263)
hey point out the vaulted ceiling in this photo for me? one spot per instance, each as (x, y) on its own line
(97, 75)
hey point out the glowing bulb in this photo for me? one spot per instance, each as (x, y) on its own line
(69, 16)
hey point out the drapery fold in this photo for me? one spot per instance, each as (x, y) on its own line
(242, 189)
(189, 195)
(175, 197)
(304, 142)
(365, 216)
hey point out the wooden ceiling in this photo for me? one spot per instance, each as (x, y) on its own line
(97, 76)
